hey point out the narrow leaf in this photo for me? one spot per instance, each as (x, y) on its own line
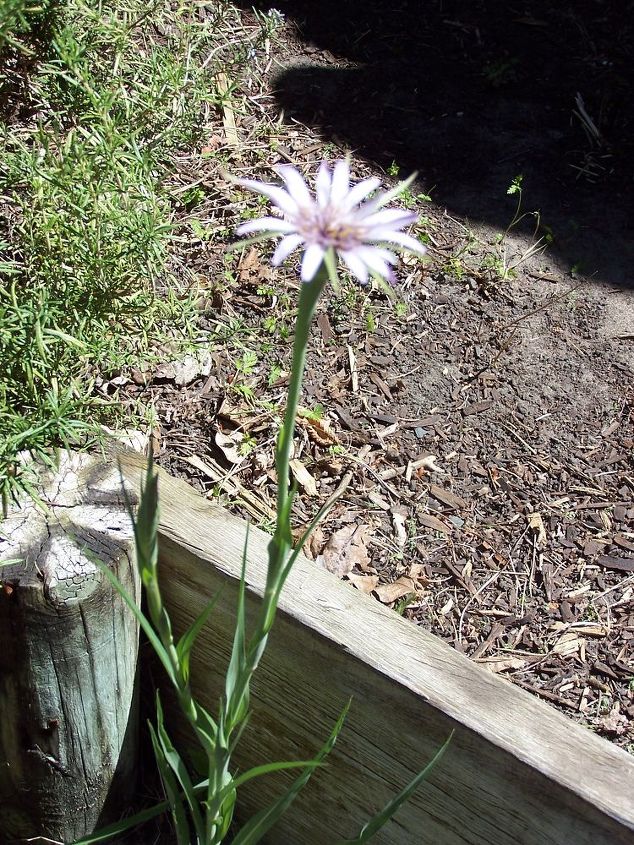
(376, 823)
(175, 761)
(186, 642)
(171, 791)
(262, 822)
(235, 681)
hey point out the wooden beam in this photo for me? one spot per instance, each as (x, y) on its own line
(68, 656)
(517, 771)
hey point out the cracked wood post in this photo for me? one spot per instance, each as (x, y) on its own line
(68, 656)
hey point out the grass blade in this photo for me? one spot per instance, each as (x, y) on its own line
(375, 824)
(186, 642)
(175, 761)
(174, 798)
(262, 822)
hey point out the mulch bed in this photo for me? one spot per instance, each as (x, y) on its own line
(483, 429)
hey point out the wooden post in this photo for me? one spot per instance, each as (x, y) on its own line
(68, 655)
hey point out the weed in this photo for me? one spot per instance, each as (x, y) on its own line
(85, 225)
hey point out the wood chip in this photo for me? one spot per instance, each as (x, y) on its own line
(625, 564)
(434, 523)
(303, 477)
(447, 497)
(477, 407)
(499, 663)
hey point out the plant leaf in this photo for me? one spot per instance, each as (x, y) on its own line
(236, 690)
(186, 642)
(175, 761)
(376, 823)
(258, 825)
(174, 798)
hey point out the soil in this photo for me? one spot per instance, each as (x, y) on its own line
(485, 425)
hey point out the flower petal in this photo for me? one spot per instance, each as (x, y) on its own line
(278, 196)
(355, 264)
(266, 224)
(322, 185)
(391, 237)
(359, 192)
(295, 184)
(311, 261)
(285, 247)
(394, 192)
(396, 217)
(340, 182)
(378, 260)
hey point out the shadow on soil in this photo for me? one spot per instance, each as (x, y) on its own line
(472, 94)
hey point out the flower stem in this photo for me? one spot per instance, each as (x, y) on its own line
(308, 298)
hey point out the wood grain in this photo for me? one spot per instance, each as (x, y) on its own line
(68, 656)
(517, 771)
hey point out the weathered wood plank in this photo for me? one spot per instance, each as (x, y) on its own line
(516, 772)
(68, 656)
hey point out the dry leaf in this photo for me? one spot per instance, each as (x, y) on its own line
(501, 664)
(363, 583)
(345, 550)
(536, 524)
(615, 722)
(319, 429)
(303, 477)
(186, 370)
(313, 545)
(228, 444)
(399, 528)
(249, 265)
(389, 593)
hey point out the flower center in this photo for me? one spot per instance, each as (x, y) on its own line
(327, 230)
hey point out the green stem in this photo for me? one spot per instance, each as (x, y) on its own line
(308, 298)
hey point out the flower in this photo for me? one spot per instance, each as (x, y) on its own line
(339, 219)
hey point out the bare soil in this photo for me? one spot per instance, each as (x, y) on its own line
(485, 425)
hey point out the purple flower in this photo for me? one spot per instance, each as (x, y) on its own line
(337, 219)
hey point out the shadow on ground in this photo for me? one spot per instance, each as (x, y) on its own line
(472, 94)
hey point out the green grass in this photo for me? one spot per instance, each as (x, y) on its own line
(85, 219)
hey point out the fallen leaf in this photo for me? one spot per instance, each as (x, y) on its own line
(615, 722)
(536, 524)
(313, 546)
(388, 593)
(346, 549)
(249, 265)
(303, 477)
(319, 429)
(228, 445)
(364, 583)
(186, 370)
(501, 664)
